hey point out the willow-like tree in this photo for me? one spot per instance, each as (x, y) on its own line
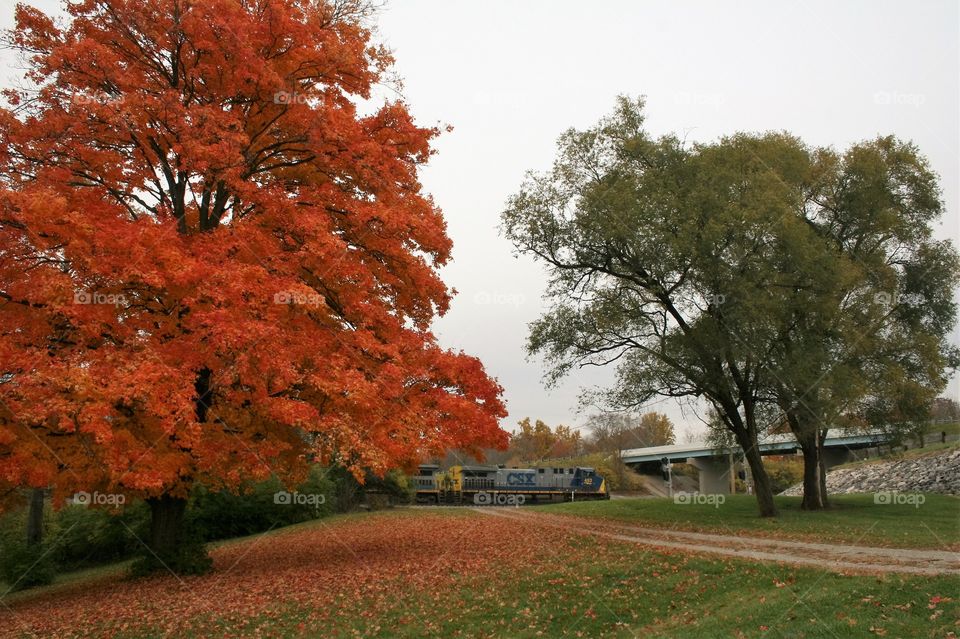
(644, 240)
(864, 330)
(213, 266)
(776, 281)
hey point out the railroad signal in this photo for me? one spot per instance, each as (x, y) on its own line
(665, 467)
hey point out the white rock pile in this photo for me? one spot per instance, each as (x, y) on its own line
(935, 473)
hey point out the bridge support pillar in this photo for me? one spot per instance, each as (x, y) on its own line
(714, 474)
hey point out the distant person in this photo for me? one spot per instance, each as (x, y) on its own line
(943, 437)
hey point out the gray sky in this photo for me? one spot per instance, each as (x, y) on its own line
(511, 76)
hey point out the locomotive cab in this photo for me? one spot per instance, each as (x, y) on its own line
(588, 480)
(469, 478)
(426, 482)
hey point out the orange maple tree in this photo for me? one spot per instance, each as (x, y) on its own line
(215, 263)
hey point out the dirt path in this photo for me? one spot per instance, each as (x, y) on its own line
(834, 557)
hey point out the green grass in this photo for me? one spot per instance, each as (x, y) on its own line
(592, 588)
(854, 519)
(631, 593)
(575, 586)
(949, 429)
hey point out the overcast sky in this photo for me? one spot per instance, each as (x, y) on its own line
(511, 76)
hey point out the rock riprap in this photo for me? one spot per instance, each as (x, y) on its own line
(934, 473)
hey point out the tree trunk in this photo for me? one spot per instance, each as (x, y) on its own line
(761, 482)
(166, 525)
(171, 544)
(35, 517)
(821, 438)
(745, 432)
(810, 438)
(813, 494)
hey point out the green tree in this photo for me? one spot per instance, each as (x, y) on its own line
(783, 284)
(862, 300)
(646, 242)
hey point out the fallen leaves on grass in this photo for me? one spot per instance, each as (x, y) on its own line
(356, 566)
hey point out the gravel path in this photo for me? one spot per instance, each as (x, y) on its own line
(834, 557)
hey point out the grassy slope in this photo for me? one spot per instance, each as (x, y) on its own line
(623, 591)
(120, 569)
(610, 589)
(913, 453)
(950, 429)
(853, 519)
(513, 582)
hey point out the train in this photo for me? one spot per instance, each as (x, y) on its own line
(500, 486)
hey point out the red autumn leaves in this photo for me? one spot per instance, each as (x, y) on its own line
(326, 571)
(213, 266)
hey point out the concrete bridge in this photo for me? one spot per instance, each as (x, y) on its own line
(717, 466)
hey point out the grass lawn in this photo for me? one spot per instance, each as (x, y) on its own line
(587, 589)
(853, 519)
(456, 573)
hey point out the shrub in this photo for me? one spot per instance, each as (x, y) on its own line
(347, 491)
(393, 488)
(260, 507)
(25, 566)
(783, 472)
(189, 558)
(90, 536)
(22, 565)
(78, 536)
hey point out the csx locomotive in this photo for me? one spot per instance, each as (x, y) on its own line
(493, 485)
